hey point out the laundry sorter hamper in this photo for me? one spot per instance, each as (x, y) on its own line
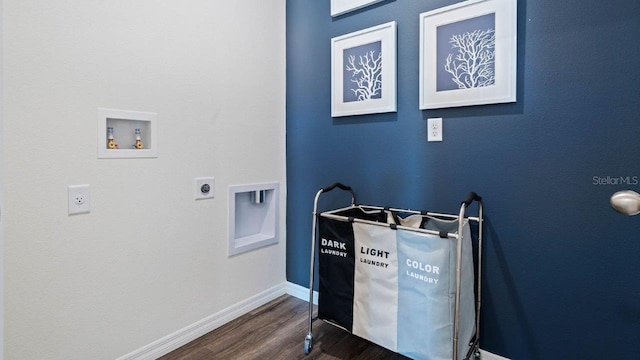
(402, 279)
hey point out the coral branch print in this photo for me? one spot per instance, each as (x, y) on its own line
(366, 74)
(363, 72)
(474, 63)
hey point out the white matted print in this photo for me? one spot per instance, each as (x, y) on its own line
(363, 71)
(468, 54)
(339, 7)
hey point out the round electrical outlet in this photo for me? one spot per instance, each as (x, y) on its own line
(205, 188)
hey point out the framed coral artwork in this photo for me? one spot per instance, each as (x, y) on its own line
(468, 54)
(363, 71)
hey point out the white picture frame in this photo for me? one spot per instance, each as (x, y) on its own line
(339, 7)
(447, 78)
(363, 71)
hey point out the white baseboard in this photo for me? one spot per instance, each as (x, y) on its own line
(485, 355)
(301, 292)
(183, 336)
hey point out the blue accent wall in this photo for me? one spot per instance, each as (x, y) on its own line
(562, 269)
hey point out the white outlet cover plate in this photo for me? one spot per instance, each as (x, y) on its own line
(202, 181)
(79, 199)
(434, 129)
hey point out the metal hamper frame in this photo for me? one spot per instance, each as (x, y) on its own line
(474, 343)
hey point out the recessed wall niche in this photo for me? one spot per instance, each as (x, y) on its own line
(253, 216)
(127, 134)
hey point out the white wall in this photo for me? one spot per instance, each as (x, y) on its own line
(1, 214)
(148, 259)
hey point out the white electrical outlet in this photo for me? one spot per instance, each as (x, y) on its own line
(205, 188)
(79, 199)
(434, 129)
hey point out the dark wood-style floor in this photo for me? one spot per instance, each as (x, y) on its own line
(277, 331)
